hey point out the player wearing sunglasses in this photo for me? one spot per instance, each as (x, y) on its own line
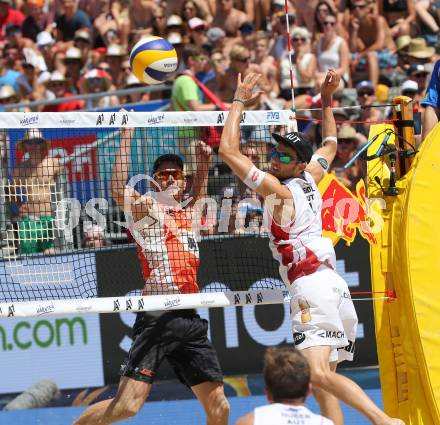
(324, 320)
(169, 255)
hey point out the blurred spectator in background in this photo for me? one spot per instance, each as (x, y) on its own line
(141, 14)
(71, 20)
(73, 63)
(185, 94)
(428, 20)
(28, 85)
(197, 32)
(419, 74)
(8, 75)
(45, 44)
(347, 145)
(8, 16)
(132, 82)
(267, 63)
(115, 56)
(97, 81)
(83, 41)
(37, 20)
(159, 25)
(367, 99)
(410, 88)
(35, 178)
(400, 15)
(57, 86)
(228, 17)
(217, 38)
(247, 37)
(93, 237)
(367, 38)
(332, 51)
(304, 70)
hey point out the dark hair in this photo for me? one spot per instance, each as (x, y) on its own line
(169, 157)
(286, 374)
(191, 51)
(318, 25)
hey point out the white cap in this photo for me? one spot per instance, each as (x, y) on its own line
(279, 3)
(44, 77)
(195, 23)
(115, 50)
(73, 53)
(56, 76)
(175, 38)
(132, 80)
(174, 20)
(45, 38)
(409, 85)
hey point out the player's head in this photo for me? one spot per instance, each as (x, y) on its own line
(168, 171)
(286, 375)
(290, 156)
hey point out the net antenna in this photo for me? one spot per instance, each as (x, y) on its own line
(293, 125)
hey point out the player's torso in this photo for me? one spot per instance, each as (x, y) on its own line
(298, 244)
(283, 414)
(169, 251)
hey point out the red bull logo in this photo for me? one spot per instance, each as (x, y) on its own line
(344, 212)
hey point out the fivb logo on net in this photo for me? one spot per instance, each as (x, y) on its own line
(206, 214)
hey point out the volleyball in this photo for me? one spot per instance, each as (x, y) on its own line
(153, 59)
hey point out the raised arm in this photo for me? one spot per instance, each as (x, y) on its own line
(264, 184)
(200, 185)
(325, 155)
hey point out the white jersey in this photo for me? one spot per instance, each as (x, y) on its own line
(299, 246)
(284, 414)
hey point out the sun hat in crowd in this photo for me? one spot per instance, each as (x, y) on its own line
(45, 38)
(32, 134)
(73, 53)
(115, 50)
(7, 92)
(301, 32)
(410, 86)
(132, 81)
(215, 34)
(56, 77)
(196, 23)
(174, 21)
(82, 35)
(365, 84)
(95, 74)
(174, 38)
(402, 42)
(418, 48)
(347, 132)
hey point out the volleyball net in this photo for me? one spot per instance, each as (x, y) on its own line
(98, 215)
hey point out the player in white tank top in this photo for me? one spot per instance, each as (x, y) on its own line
(287, 380)
(324, 320)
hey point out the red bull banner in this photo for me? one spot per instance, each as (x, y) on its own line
(345, 213)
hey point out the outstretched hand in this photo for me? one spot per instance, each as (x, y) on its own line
(245, 88)
(330, 84)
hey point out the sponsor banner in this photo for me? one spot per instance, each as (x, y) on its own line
(66, 349)
(231, 265)
(25, 120)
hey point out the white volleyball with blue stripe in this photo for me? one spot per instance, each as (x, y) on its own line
(153, 59)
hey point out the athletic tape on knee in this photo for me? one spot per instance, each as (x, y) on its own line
(321, 161)
(254, 178)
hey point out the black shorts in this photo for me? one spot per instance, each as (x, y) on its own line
(180, 337)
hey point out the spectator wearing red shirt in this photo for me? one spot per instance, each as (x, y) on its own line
(9, 16)
(57, 84)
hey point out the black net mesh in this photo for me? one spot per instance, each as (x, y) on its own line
(153, 204)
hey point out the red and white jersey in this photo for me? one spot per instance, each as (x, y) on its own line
(299, 246)
(284, 414)
(169, 253)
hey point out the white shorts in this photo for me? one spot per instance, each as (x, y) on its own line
(323, 313)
